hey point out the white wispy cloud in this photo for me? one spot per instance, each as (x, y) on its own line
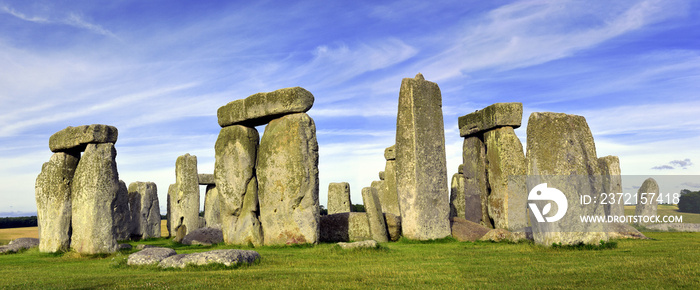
(71, 19)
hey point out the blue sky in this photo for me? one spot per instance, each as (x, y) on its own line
(158, 71)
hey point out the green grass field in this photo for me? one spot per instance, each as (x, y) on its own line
(671, 260)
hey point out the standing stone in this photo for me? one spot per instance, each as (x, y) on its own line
(77, 138)
(388, 197)
(288, 181)
(561, 153)
(647, 206)
(380, 187)
(506, 170)
(261, 108)
(94, 188)
(339, 197)
(145, 210)
(476, 190)
(187, 195)
(172, 216)
(457, 202)
(421, 171)
(234, 173)
(612, 183)
(53, 201)
(212, 207)
(121, 214)
(377, 224)
(491, 117)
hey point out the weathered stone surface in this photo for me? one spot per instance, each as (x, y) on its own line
(467, 231)
(493, 116)
(180, 233)
(390, 152)
(186, 198)
(121, 214)
(476, 190)
(19, 244)
(421, 171)
(149, 256)
(76, 138)
(339, 197)
(647, 198)
(460, 169)
(261, 108)
(124, 247)
(393, 226)
(624, 231)
(498, 235)
(53, 201)
(344, 227)
(145, 210)
(382, 175)
(288, 181)
(612, 183)
(212, 207)
(94, 189)
(561, 153)
(381, 188)
(457, 201)
(389, 197)
(234, 171)
(377, 224)
(204, 237)
(206, 179)
(172, 216)
(506, 167)
(368, 244)
(225, 257)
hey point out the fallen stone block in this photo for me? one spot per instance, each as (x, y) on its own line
(368, 244)
(467, 231)
(204, 237)
(149, 256)
(226, 257)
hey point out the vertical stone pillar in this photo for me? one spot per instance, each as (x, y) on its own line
(375, 217)
(612, 183)
(339, 197)
(53, 200)
(187, 195)
(647, 199)
(506, 170)
(145, 210)
(389, 197)
(457, 201)
(121, 214)
(212, 207)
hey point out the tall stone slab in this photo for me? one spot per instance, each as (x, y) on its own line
(187, 196)
(234, 172)
(647, 199)
(339, 197)
(476, 184)
(561, 153)
(421, 171)
(457, 201)
(121, 213)
(389, 197)
(506, 168)
(261, 108)
(375, 217)
(94, 189)
(612, 183)
(53, 201)
(145, 210)
(212, 207)
(172, 215)
(288, 181)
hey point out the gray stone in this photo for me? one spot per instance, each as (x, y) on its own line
(19, 245)
(204, 237)
(172, 216)
(339, 197)
(368, 244)
(212, 207)
(180, 233)
(206, 179)
(679, 227)
(344, 227)
(393, 226)
(561, 153)
(476, 184)
(467, 231)
(121, 214)
(287, 170)
(647, 199)
(499, 235)
(377, 224)
(506, 165)
(382, 175)
(149, 256)
(624, 231)
(612, 183)
(491, 117)
(388, 196)
(226, 257)
(76, 138)
(421, 172)
(457, 201)
(53, 201)
(145, 210)
(236, 150)
(390, 152)
(124, 247)
(261, 108)
(94, 189)
(185, 201)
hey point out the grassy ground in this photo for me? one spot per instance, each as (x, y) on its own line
(7, 235)
(668, 210)
(669, 261)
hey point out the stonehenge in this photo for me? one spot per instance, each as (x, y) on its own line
(54, 201)
(145, 210)
(375, 218)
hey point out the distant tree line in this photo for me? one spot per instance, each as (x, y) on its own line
(18, 222)
(689, 201)
(354, 208)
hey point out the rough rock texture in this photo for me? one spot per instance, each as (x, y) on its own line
(421, 172)
(390, 152)
(339, 197)
(149, 256)
(498, 235)
(368, 244)
(121, 214)
(388, 196)
(288, 181)
(457, 202)
(19, 244)
(647, 203)
(380, 187)
(172, 215)
(464, 230)
(476, 189)
(225, 257)
(234, 171)
(345, 227)
(94, 189)
(124, 247)
(493, 116)
(561, 153)
(612, 183)
(382, 175)
(206, 179)
(76, 138)
(186, 198)
(145, 210)
(204, 237)
(624, 231)
(212, 207)
(506, 168)
(377, 224)
(53, 201)
(261, 108)
(393, 226)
